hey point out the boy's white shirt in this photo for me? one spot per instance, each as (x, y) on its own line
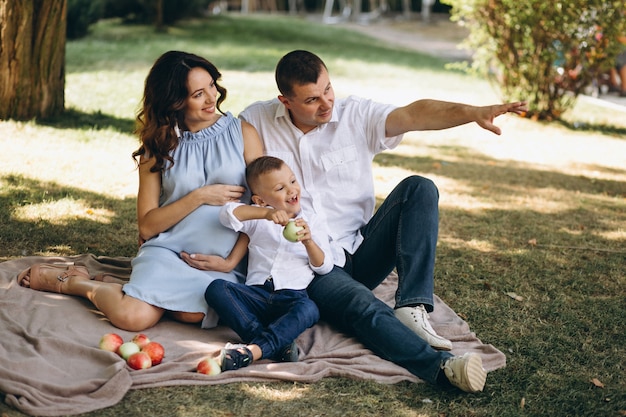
(270, 254)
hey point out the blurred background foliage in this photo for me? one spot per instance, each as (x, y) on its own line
(544, 52)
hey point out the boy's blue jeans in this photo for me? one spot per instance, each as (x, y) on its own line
(401, 234)
(259, 315)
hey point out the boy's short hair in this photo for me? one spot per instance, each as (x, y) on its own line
(260, 166)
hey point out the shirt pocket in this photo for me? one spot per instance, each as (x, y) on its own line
(341, 165)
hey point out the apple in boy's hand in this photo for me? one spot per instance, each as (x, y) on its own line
(127, 349)
(139, 360)
(141, 340)
(209, 366)
(111, 342)
(155, 351)
(290, 231)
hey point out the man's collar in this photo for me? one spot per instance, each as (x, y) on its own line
(281, 111)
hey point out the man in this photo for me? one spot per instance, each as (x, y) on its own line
(330, 145)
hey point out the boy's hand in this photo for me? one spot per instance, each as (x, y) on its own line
(279, 217)
(304, 235)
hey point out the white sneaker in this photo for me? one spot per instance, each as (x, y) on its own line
(416, 319)
(466, 372)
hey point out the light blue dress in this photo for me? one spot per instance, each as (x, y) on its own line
(159, 276)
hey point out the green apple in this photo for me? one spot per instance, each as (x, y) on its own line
(290, 231)
(127, 349)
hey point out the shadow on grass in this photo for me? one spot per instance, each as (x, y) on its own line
(76, 119)
(503, 176)
(71, 234)
(614, 131)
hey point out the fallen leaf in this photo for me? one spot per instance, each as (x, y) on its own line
(532, 242)
(522, 403)
(487, 286)
(515, 296)
(597, 383)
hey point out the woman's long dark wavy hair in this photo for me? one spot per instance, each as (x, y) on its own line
(163, 101)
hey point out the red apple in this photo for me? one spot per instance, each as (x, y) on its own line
(139, 360)
(141, 340)
(155, 351)
(127, 349)
(209, 366)
(111, 342)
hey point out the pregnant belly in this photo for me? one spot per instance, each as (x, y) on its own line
(199, 232)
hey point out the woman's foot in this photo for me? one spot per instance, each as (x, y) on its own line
(50, 277)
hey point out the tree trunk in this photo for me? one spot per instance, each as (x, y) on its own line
(158, 23)
(32, 58)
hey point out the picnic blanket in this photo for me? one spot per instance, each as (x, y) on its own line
(50, 363)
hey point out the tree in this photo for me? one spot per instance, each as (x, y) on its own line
(546, 52)
(32, 62)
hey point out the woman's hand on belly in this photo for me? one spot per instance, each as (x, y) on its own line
(207, 262)
(219, 194)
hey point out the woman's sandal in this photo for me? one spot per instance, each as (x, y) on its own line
(236, 358)
(50, 277)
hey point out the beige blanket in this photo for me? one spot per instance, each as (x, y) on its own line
(50, 363)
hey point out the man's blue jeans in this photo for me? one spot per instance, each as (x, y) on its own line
(261, 316)
(402, 234)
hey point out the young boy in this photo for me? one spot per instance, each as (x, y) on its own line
(272, 308)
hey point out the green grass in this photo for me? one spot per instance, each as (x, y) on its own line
(539, 212)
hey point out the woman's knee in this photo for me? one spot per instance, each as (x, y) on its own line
(136, 316)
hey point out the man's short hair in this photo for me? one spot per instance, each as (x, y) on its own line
(297, 68)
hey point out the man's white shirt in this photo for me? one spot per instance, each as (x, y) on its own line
(332, 162)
